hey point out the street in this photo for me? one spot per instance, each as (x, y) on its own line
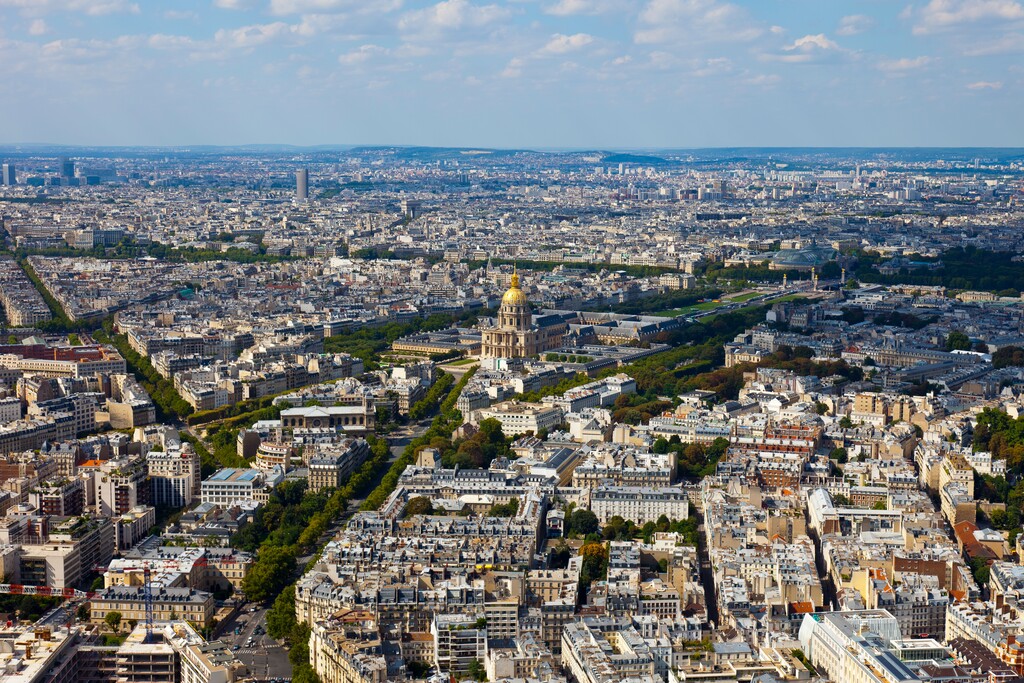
(264, 658)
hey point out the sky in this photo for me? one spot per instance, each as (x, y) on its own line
(513, 73)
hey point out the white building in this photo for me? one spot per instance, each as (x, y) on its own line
(855, 647)
(229, 485)
(639, 504)
(173, 475)
(520, 418)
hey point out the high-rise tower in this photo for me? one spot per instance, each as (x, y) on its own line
(302, 184)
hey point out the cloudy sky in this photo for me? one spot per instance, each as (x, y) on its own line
(513, 73)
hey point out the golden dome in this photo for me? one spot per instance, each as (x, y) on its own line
(514, 296)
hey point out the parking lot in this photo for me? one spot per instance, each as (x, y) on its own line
(264, 657)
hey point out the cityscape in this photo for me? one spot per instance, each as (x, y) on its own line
(666, 341)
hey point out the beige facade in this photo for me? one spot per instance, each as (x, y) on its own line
(169, 604)
(515, 335)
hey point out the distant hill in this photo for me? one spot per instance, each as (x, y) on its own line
(633, 159)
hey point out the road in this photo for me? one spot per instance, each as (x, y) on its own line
(398, 440)
(707, 577)
(265, 658)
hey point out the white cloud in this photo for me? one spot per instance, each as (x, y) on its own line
(1011, 43)
(451, 15)
(904, 64)
(764, 80)
(569, 8)
(985, 85)
(818, 41)
(514, 69)
(853, 24)
(91, 7)
(161, 41)
(940, 15)
(233, 4)
(37, 28)
(252, 36)
(304, 6)
(713, 67)
(664, 21)
(806, 49)
(561, 44)
(361, 54)
(179, 15)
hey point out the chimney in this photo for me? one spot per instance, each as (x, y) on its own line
(28, 651)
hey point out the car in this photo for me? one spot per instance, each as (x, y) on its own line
(237, 647)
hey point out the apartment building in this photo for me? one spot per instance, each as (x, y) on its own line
(639, 504)
(169, 604)
(347, 648)
(520, 418)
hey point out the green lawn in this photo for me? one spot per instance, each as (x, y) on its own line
(706, 306)
(745, 297)
(790, 297)
(709, 305)
(462, 361)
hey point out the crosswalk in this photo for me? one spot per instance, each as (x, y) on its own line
(256, 649)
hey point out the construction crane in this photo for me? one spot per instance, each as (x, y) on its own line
(147, 593)
(147, 596)
(21, 589)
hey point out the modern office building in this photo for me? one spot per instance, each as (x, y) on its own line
(302, 184)
(8, 175)
(229, 486)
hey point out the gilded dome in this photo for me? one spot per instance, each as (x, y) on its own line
(514, 296)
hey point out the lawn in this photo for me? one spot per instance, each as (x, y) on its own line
(706, 306)
(745, 297)
(463, 361)
(790, 297)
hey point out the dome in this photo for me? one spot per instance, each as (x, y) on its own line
(514, 296)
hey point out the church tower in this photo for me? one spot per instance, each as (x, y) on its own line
(514, 313)
(515, 334)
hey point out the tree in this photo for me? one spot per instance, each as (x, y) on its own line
(476, 670)
(82, 613)
(1007, 356)
(420, 505)
(113, 620)
(880, 505)
(560, 555)
(957, 341)
(273, 570)
(846, 422)
(509, 509)
(281, 617)
(839, 455)
(583, 522)
(595, 562)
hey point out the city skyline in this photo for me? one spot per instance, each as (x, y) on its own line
(555, 74)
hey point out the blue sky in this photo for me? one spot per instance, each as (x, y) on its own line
(514, 73)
